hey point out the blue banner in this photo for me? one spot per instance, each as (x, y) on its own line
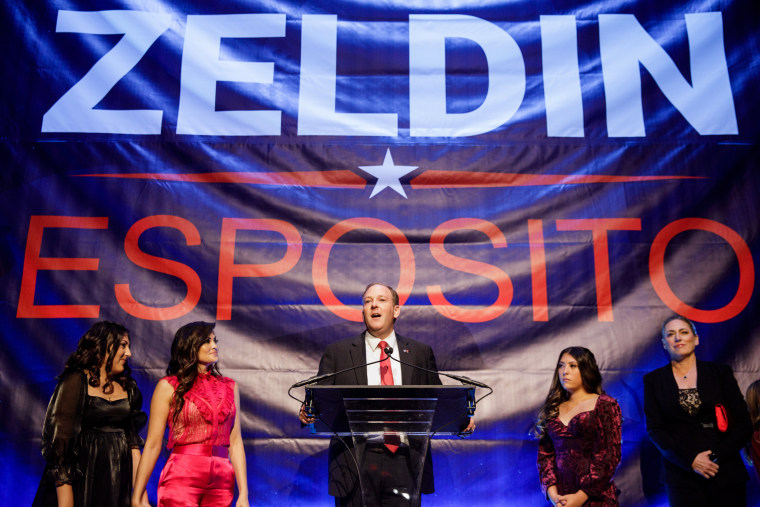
(529, 176)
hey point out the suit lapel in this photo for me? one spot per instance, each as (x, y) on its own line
(359, 357)
(670, 387)
(405, 354)
(669, 381)
(706, 385)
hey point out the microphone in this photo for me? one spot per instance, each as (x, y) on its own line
(464, 380)
(312, 380)
(324, 376)
(319, 378)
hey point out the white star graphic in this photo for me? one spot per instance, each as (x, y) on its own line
(388, 175)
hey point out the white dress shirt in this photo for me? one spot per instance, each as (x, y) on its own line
(372, 348)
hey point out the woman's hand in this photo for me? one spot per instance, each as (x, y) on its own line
(141, 502)
(65, 495)
(703, 466)
(573, 500)
(554, 497)
(159, 414)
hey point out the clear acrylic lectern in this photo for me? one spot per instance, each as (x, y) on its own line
(404, 415)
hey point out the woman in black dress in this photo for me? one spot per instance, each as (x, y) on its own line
(579, 428)
(697, 418)
(90, 436)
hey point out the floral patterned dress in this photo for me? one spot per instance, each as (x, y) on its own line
(584, 454)
(208, 414)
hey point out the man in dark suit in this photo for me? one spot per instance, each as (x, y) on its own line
(393, 478)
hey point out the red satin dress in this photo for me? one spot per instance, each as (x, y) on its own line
(198, 471)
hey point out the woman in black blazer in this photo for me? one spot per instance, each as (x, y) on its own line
(682, 403)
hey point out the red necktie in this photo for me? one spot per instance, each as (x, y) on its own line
(392, 442)
(386, 372)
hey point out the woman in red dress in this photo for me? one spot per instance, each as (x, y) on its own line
(579, 431)
(200, 407)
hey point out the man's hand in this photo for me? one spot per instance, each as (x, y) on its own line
(303, 418)
(469, 429)
(703, 466)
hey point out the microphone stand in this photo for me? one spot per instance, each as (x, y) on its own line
(464, 380)
(310, 409)
(320, 378)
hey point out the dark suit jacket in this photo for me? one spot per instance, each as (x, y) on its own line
(349, 353)
(680, 437)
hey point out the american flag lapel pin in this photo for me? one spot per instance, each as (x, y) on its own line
(406, 351)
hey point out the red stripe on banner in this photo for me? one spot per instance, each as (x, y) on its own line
(333, 179)
(443, 179)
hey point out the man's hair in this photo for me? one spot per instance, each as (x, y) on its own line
(394, 294)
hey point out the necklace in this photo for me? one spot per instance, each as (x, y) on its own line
(685, 375)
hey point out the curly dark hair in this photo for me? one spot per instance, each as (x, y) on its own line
(184, 361)
(590, 377)
(97, 346)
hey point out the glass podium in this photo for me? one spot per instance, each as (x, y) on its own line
(403, 416)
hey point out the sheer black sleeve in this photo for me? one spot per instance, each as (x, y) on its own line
(137, 417)
(63, 423)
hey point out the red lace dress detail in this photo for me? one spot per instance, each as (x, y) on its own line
(584, 454)
(208, 414)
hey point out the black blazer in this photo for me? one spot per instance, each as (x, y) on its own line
(680, 437)
(349, 353)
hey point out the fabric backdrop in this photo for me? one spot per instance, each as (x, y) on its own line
(529, 174)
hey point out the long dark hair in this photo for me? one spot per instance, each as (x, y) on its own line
(590, 377)
(98, 345)
(184, 361)
(753, 404)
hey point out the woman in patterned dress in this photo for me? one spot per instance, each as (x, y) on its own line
(200, 407)
(579, 431)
